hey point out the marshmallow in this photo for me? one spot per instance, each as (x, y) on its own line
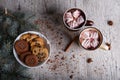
(94, 34)
(86, 43)
(90, 39)
(85, 35)
(69, 17)
(80, 20)
(94, 43)
(76, 14)
(73, 24)
(69, 20)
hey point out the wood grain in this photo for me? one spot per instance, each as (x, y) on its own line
(105, 65)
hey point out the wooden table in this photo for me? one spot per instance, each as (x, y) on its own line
(72, 64)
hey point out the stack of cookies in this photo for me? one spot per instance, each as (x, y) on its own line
(31, 49)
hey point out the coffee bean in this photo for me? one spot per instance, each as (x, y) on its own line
(89, 23)
(109, 22)
(89, 60)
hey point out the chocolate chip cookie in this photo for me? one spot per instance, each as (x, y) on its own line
(31, 60)
(21, 46)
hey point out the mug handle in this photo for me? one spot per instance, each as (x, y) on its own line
(89, 23)
(105, 46)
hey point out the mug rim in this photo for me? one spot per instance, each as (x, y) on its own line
(99, 43)
(67, 25)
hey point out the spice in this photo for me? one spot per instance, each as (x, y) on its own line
(68, 46)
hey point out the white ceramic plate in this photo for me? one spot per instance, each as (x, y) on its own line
(47, 43)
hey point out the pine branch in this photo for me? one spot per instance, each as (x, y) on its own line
(12, 24)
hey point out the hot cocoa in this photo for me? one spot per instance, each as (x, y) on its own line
(90, 38)
(74, 18)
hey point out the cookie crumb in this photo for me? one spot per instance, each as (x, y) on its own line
(61, 38)
(55, 73)
(71, 76)
(73, 56)
(62, 58)
(89, 60)
(72, 72)
(110, 23)
(95, 70)
(59, 43)
(54, 67)
(56, 55)
(41, 66)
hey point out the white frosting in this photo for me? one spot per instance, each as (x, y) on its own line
(90, 39)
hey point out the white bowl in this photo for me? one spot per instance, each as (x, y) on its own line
(47, 43)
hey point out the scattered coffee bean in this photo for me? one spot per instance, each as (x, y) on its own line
(89, 23)
(109, 22)
(89, 60)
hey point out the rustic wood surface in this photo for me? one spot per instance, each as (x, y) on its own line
(72, 64)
